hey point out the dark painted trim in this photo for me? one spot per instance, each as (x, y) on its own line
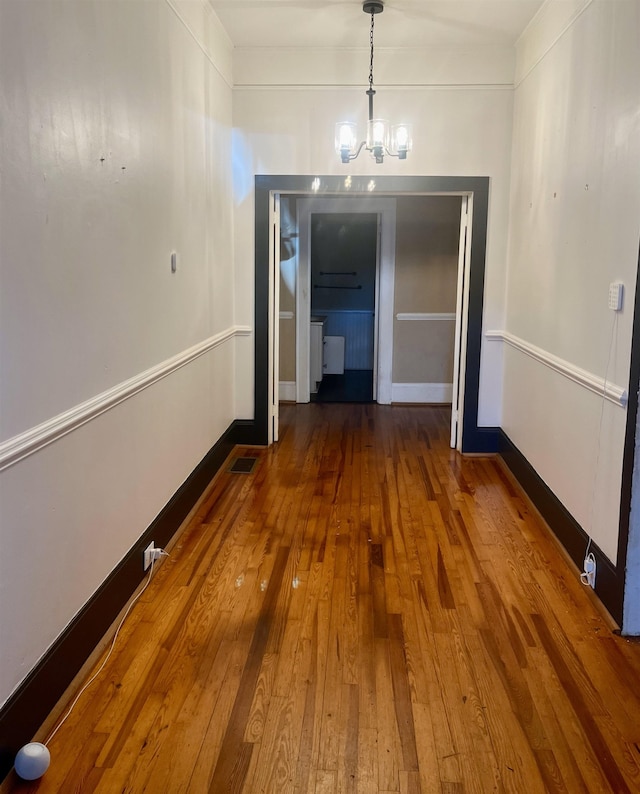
(30, 705)
(474, 439)
(609, 578)
(261, 342)
(628, 458)
(484, 441)
(244, 432)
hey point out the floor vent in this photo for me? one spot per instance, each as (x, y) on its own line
(242, 465)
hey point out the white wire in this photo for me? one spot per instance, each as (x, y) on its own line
(587, 556)
(108, 656)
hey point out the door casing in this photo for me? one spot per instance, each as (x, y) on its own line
(475, 439)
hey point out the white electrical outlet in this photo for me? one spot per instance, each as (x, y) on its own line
(589, 575)
(151, 553)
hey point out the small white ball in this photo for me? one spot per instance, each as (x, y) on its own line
(32, 761)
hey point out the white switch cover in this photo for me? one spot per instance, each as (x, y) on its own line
(616, 291)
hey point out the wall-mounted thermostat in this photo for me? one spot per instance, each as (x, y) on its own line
(616, 292)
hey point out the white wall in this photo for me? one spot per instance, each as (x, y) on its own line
(460, 128)
(574, 228)
(117, 376)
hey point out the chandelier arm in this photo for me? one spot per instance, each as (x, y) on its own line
(359, 149)
(402, 155)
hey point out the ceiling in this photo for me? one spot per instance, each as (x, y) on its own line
(404, 23)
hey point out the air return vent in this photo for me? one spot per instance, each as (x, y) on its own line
(242, 465)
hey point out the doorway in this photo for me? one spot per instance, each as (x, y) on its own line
(344, 250)
(473, 438)
(421, 304)
(380, 214)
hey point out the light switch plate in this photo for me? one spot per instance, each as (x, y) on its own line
(616, 292)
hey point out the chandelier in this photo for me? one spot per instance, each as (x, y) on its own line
(380, 140)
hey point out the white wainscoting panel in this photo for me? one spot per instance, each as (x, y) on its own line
(24, 444)
(596, 384)
(421, 392)
(357, 329)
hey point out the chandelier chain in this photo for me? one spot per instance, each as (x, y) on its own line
(371, 45)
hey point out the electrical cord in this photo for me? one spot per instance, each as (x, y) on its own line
(589, 558)
(589, 567)
(163, 553)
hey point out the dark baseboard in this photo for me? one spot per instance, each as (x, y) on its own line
(245, 432)
(480, 440)
(609, 579)
(30, 705)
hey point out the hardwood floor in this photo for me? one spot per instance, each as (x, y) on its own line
(366, 612)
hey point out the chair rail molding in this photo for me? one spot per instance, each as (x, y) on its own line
(600, 386)
(34, 439)
(421, 316)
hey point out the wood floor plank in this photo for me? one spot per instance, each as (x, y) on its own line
(402, 693)
(592, 730)
(276, 757)
(229, 773)
(367, 611)
(389, 743)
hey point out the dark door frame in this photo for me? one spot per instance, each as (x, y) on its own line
(474, 439)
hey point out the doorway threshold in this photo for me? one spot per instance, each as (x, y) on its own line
(354, 386)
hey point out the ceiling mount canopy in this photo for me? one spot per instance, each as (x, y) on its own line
(380, 139)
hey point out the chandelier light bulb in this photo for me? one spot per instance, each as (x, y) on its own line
(346, 140)
(346, 135)
(401, 140)
(378, 130)
(402, 136)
